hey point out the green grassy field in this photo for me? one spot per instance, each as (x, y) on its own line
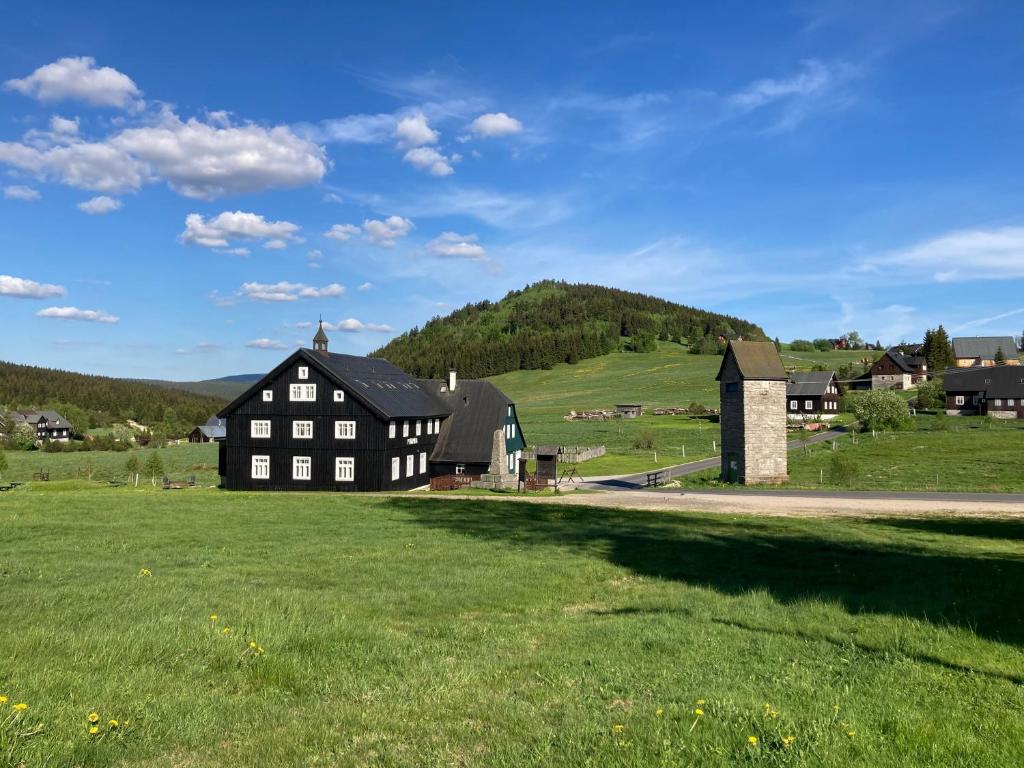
(418, 632)
(180, 461)
(942, 453)
(668, 377)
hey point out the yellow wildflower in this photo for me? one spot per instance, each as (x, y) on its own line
(851, 734)
(618, 728)
(700, 702)
(835, 707)
(112, 723)
(94, 717)
(787, 741)
(659, 712)
(94, 730)
(20, 707)
(259, 649)
(252, 644)
(145, 572)
(752, 740)
(213, 617)
(226, 631)
(698, 712)
(3, 699)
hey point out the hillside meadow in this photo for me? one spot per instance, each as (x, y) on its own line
(227, 629)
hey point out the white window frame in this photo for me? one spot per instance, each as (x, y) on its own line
(430, 426)
(298, 462)
(302, 393)
(396, 468)
(303, 372)
(260, 468)
(410, 465)
(268, 395)
(437, 426)
(1011, 402)
(392, 429)
(344, 469)
(999, 402)
(960, 399)
(339, 395)
(405, 429)
(419, 427)
(344, 430)
(256, 428)
(460, 469)
(510, 411)
(302, 430)
(423, 462)
(793, 405)
(808, 405)
(513, 425)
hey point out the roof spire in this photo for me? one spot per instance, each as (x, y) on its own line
(320, 340)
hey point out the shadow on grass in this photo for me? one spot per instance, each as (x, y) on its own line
(945, 582)
(1006, 529)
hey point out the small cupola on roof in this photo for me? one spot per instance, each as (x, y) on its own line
(320, 340)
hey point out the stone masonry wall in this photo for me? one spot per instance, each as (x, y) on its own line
(764, 421)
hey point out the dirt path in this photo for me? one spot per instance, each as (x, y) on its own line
(779, 504)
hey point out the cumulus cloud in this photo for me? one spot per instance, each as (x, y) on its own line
(265, 344)
(285, 291)
(351, 325)
(415, 131)
(495, 124)
(218, 231)
(20, 288)
(386, 232)
(99, 205)
(74, 313)
(430, 160)
(341, 232)
(64, 125)
(21, 192)
(454, 246)
(98, 167)
(79, 79)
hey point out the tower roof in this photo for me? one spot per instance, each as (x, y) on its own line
(755, 360)
(320, 335)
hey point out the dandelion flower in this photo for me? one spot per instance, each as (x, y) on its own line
(213, 617)
(20, 707)
(226, 631)
(787, 741)
(145, 572)
(94, 717)
(94, 730)
(851, 734)
(3, 699)
(618, 728)
(659, 712)
(752, 740)
(252, 644)
(112, 723)
(700, 702)
(698, 712)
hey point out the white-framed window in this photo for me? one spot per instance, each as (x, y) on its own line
(419, 427)
(511, 462)
(303, 372)
(268, 395)
(391, 429)
(396, 468)
(430, 426)
(302, 393)
(259, 428)
(302, 467)
(808, 405)
(959, 399)
(405, 429)
(344, 430)
(510, 411)
(437, 426)
(409, 465)
(260, 467)
(302, 430)
(460, 469)
(339, 395)
(423, 462)
(998, 402)
(1010, 402)
(513, 429)
(792, 405)
(344, 469)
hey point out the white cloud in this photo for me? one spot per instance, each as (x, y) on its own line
(265, 344)
(498, 209)
(341, 232)
(430, 160)
(353, 129)
(74, 313)
(285, 291)
(351, 325)
(813, 77)
(277, 244)
(452, 245)
(333, 197)
(415, 131)
(94, 166)
(495, 124)
(365, 287)
(21, 192)
(384, 233)
(218, 231)
(959, 256)
(99, 205)
(20, 288)
(79, 79)
(63, 125)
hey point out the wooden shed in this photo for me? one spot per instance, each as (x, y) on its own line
(547, 462)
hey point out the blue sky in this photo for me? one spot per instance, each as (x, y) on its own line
(184, 190)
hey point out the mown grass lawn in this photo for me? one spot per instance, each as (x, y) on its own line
(406, 631)
(179, 461)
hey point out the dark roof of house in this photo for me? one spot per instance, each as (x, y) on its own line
(213, 432)
(906, 363)
(983, 347)
(755, 360)
(809, 383)
(384, 387)
(477, 409)
(993, 381)
(34, 417)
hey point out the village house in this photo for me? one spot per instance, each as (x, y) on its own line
(327, 421)
(893, 370)
(48, 425)
(812, 395)
(969, 351)
(214, 429)
(996, 391)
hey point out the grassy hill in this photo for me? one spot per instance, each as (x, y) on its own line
(549, 323)
(225, 388)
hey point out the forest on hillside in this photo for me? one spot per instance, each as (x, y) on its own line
(554, 322)
(98, 401)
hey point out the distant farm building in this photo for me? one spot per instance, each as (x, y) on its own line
(969, 351)
(629, 410)
(996, 391)
(48, 425)
(812, 394)
(213, 430)
(752, 385)
(895, 369)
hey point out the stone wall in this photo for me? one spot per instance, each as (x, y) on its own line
(764, 416)
(571, 454)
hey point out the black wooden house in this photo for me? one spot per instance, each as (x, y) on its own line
(326, 421)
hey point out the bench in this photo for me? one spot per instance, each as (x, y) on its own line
(41, 476)
(654, 479)
(174, 485)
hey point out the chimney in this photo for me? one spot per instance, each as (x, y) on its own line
(452, 380)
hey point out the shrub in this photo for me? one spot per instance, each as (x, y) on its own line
(696, 409)
(879, 410)
(801, 345)
(843, 469)
(930, 394)
(644, 440)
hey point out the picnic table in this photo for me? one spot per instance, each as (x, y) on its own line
(174, 485)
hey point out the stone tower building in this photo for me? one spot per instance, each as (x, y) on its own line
(753, 391)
